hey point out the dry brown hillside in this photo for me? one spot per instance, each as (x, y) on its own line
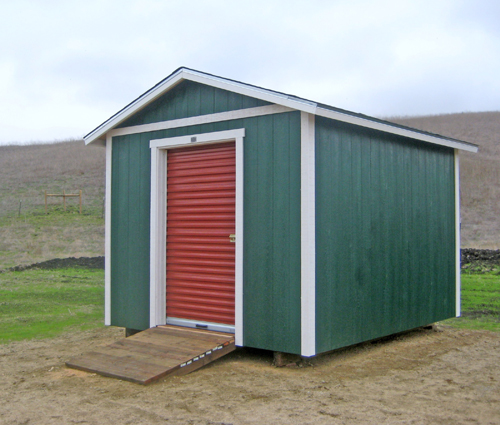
(27, 170)
(27, 235)
(479, 173)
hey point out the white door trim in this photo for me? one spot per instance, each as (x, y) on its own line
(158, 224)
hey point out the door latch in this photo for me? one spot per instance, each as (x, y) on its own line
(232, 238)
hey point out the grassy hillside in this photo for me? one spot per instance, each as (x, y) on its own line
(28, 235)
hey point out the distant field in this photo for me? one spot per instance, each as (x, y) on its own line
(27, 235)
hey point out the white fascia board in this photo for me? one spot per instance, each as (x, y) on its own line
(388, 128)
(133, 107)
(218, 82)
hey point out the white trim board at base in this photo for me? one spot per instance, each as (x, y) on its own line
(158, 231)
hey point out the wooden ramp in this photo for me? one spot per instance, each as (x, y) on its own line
(156, 353)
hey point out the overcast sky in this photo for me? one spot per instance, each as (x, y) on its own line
(67, 66)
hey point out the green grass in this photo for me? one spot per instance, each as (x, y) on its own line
(480, 302)
(46, 303)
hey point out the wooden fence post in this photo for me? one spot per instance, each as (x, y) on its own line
(64, 196)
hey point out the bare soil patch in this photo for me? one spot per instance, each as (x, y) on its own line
(422, 377)
(57, 263)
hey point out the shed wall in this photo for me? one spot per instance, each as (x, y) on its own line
(130, 199)
(385, 232)
(271, 293)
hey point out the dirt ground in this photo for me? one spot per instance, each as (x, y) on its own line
(423, 377)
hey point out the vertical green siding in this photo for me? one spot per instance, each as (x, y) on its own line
(130, 198)
(271, 228)
(272, 234)
(189, 99)
(385, 231)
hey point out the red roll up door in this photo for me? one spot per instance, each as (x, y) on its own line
(201, 188)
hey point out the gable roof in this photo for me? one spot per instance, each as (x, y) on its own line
(275, 97)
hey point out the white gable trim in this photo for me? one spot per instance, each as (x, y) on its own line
(158, 230)
(202, 119)
(210, 80)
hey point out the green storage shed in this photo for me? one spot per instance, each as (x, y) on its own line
(298, 226)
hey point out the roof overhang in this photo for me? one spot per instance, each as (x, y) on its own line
(98, 135)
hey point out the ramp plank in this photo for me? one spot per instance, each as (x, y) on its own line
(156, 353)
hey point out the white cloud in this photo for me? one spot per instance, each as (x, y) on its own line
(68, 66)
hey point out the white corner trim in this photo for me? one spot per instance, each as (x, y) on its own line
(308, 235)
(158, 230)
(457, 233)
(387, 128)
(202, 119)
(107, 234)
